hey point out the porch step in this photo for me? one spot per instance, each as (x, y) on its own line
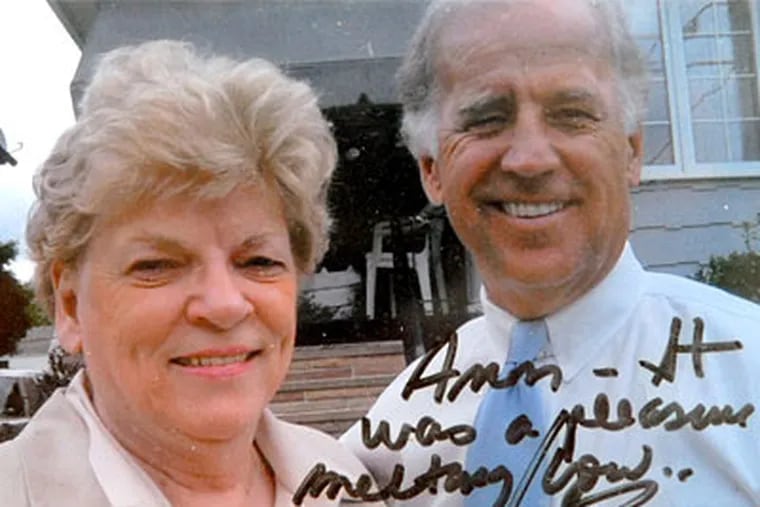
(329, 387)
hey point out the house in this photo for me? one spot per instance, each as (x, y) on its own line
(701, 178)
(32, 350)
(701, 183)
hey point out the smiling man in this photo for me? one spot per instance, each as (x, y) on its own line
(628, 387)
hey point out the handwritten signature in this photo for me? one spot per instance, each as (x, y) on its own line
(564, 473)
(575, 479)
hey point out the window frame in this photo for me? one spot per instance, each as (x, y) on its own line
(685, 166)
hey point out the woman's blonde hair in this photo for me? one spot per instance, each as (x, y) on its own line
(159, 119)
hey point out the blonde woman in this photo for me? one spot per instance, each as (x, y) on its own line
(173, 223)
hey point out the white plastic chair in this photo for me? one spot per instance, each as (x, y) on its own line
(378, 258)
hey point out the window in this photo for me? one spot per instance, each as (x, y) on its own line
(704, 109)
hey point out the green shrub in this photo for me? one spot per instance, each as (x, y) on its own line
(738, 272)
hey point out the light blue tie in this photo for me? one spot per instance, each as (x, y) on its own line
(497, 410)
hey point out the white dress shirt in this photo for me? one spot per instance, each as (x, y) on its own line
(622, 322)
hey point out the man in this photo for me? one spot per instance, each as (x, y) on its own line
(525, 117)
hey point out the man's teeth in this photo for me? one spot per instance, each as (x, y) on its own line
(211, 361)
(527, 210)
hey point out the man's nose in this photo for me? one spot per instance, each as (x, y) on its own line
(529, 150)
(218, 299)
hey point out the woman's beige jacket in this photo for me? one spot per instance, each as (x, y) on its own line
(48, 463)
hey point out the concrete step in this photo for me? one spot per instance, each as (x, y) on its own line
(330, 384)
(329, 387)
(347, 414)
(331, 405)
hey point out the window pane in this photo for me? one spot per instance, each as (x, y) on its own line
(732, 16)
(736, 52)
(742, 99)
(737, 141)
(744, 140)
(644, 20)
(721, 67)
(697, 17)
(710, 142)
(658, 109)
(701, 56)
(705, 98)
(715, 99)
(658, 145)
(652, 50)
(711, 17)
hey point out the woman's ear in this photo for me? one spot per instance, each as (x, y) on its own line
(65, 289)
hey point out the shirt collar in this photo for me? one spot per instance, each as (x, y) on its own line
(586, 323)
(293, 450)
(123, 481)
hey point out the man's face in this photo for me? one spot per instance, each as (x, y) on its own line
(534, 164)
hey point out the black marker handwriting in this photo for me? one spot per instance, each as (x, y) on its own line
(576, 479)
(652, 415)
(520, 427)
(605, 372)
(476, 376)
(601, 419)
(699, 417)
(667, 367)
(320, 480)
(427, 431)
(440, 379)
(586, 470)
(684, 474)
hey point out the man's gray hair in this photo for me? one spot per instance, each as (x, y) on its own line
(420, 90)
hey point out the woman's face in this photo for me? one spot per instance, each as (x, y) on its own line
(186, 314)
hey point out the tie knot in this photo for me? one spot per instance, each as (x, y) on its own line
(529, 337)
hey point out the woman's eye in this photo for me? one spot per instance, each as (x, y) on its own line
(262, 264)
(152, 267)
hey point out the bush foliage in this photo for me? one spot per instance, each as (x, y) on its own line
(14, 300)
(738, 272)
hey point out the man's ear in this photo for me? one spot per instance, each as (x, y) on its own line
(67, 324)
(635, 157)
(431, 181)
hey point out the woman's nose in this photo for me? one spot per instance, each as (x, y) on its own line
(218, 299)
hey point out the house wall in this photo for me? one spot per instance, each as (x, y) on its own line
(343, 48)
(346, 48)
(32, 350)
(678, 225)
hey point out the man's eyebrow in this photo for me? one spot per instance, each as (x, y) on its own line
(574, 95)
(482, 105)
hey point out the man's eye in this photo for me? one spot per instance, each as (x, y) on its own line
(486, 124)
(574, 117)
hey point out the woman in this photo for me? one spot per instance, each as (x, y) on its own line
(173, 223)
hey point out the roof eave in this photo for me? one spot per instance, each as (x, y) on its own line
(76, 16)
